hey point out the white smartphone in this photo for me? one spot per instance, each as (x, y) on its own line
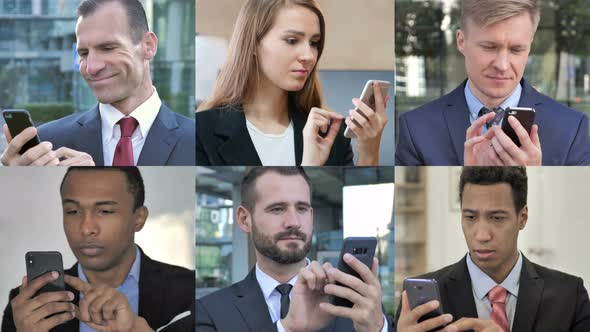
(368, 98)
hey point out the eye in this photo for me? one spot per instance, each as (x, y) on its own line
(488, 47)
(498, 218)
(277, 210)
(106, 211)
(303, 209)
(291, 41)
(469, 217)
(315, 43)
(71, 212)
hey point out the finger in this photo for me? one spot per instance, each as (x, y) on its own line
(535, 136)
(375, 267)
(360, 105)
(48, 159)
(82, 160)
(320, 275)
(433, 323)
(333, 132)
(308, 278)
(523, 135)
(95, 307)
(504, 156)
(476, 127)
(466, 324)
(379, 103)
(56, 320)
(365, 272)
(422, 310)
(7, 133)
(343, 292)
(77, 283)
(51, 309)
(65, 152)
(351, 281)
(327, 266)
(353, 126)
(36, 284)
(19, 140)
(515, 156)
(339, 311)
(470, 143)
(49, 297)
(405, 305)
(32, 155)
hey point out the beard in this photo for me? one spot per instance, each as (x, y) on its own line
(267, 245)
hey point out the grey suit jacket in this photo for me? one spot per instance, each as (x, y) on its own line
(170, 141)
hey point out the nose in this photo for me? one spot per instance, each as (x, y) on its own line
(501, 61)
(482, 233)
(292, 219)
(307, 53)
(93, 64)
(89, 225)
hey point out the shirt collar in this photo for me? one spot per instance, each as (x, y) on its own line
(268, 284)
(482, 283)
(475, 105)
(133, 275)
(145, 114)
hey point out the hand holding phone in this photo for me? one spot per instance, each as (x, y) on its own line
(524, 115)
(422, 291)
(368, 97)
(42, 303)
(17, 121)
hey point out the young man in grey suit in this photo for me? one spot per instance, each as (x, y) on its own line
(130, 126)
(495, 288)
(495, 39)
(285, 291)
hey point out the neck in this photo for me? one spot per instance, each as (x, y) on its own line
(114, 276)
(279, 272)
(500, 274)
(269, 103)
(138, 97)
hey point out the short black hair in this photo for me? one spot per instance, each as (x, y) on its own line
(136, 17)
(248, 185)
(135, 184)
(516, 177)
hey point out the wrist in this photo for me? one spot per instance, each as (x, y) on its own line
(291, 326)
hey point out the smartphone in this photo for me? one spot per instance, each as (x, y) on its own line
(41, 262)
(363, 248)
(524, 115)
(421, 291)
(17, 121)
(368, 98)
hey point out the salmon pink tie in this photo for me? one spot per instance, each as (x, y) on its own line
(124, 150)
(497, 297)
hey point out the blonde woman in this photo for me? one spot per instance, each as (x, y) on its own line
(267, 108)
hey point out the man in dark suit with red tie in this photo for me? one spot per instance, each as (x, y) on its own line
(130, 125)
(495, 288)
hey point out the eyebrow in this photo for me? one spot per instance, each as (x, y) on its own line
(491, 211)
(306, 204)
(301, 33)
(99, 203)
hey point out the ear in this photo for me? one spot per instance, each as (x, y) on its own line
(244, 219)
(523, 217)
(141, 215)
(150, 45)
(460, 41)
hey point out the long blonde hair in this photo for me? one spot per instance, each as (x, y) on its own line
(239, 75)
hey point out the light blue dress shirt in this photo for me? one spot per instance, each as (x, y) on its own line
(272, 297)
(481, 284)
(475, 105)
(130, 287)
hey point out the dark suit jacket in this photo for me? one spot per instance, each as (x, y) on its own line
(170, 141)
(434, 134)
(241, 307)
(164, 292)
(548, 300)
(223, 140)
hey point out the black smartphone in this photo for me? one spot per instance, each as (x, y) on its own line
(524, 115)
(17, 121)
(422, 291)
(363, 248)
(41, 262)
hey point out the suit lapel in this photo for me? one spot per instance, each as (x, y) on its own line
(458, 294)
(529, 97)
(160, 140)
(529, 297)
(89, 136)
(456, 114)
(151, 293)
(237, 148)
(251, 303)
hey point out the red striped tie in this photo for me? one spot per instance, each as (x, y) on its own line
(497, 297)
(124, 150)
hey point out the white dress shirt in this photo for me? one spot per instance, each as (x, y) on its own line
(274, 149)
(481, 284)
(145, 114)
(272, 297)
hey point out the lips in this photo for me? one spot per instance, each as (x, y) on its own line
(301, 72)
(484, 254)
(91, 250)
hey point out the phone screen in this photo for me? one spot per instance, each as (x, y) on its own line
(17, 121)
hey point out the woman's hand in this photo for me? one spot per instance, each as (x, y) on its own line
(316, 148)
(368, 124)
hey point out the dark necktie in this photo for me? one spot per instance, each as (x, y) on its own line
(284, 289)
(124, 150)
(496, 120)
